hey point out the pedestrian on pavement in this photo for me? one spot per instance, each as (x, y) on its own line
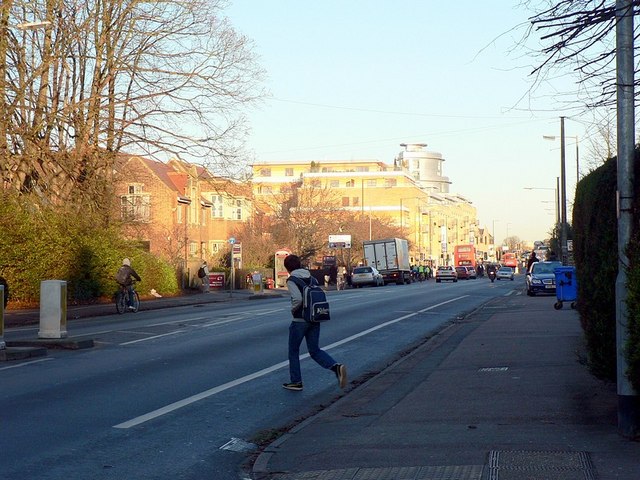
(125, 277)
(205, 276)
(301, 329)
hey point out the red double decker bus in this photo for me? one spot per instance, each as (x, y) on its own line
(510, 259)
(464, 256)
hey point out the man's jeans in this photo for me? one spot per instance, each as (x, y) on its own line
(130, 297)
(310, 331)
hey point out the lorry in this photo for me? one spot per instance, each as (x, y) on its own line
(390, 257)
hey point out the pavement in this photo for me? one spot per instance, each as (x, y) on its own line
(503, 394)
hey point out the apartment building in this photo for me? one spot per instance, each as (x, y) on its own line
(180, 211)
(417, 200)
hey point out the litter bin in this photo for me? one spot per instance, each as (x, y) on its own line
(566, 286)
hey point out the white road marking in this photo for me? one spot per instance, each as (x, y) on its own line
(239, 381)
(26, 363)
(150, 338)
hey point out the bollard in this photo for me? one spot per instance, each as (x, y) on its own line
(3, 345)
(258, 287)
(53, 309)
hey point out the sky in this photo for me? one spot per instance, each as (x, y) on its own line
(353, 79)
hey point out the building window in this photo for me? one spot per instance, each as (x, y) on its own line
(179, 213)
(372, 182)
(193, 249)
(237, 210)
(264, 189)
(214, 247)
(316, 183)
(217, 209)
(135, 206)
(355, 201)
(334, 183)
(288, 172)
(345, 201)
(350, 183)
(362, 169)
(390, 182)
(265, 172)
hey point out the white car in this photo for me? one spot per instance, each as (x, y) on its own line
(504, 273)
(366, 276)
(446, 273)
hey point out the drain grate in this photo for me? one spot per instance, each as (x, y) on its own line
(540, 465)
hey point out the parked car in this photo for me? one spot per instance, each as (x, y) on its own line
(446, 273)
(541, 277)
(504, 273)
(466, 273)
(366, 276)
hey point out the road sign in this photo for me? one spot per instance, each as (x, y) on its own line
(339, 241)
(232, 240)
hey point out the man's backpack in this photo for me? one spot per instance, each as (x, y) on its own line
(122, 276)
(315, 307)
(201, 273)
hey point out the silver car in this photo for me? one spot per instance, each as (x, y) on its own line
(366, 276)
(504, 273)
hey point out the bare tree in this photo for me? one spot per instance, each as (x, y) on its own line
(307, 220)
(579, 34)
(103, 76)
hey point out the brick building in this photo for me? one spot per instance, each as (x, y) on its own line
(180, 211)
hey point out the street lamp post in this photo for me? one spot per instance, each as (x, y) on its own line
(556, 197)
(563, 191)
(575, 137)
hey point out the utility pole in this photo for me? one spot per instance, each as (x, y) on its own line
(563, 196)
(628, 399)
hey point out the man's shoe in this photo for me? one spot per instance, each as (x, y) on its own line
(293, 386)
(341, 373)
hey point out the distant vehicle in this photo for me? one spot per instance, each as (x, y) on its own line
(366, 276)
(541, 278)
(446, 273)
(466, 273)
(541, 252)
(510, 259)
(504, 273)
(464, 256)
(390, 257)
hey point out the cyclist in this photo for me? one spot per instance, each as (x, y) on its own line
(124, 278)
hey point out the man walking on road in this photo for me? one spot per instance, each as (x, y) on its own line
(301, 329)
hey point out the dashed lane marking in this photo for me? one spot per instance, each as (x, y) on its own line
(239, 381)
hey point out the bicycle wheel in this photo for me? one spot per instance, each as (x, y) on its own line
(135, 302)
(121, 302)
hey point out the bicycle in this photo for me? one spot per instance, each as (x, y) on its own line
(122, 299)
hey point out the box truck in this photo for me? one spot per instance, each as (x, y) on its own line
(390, 257)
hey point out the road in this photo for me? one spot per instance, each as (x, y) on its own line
(185, 393)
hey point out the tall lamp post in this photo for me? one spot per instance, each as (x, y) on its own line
(563, 193)
(556, 199)
(575, 137)
(493, 234)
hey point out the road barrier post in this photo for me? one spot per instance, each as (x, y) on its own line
(53, 309)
